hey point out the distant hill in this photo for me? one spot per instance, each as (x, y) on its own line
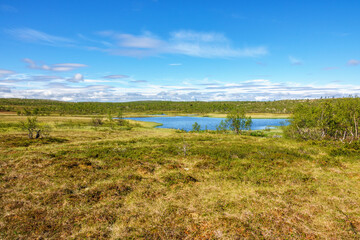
(45, 107)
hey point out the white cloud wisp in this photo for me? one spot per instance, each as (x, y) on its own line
(189, 43)
(55, 88)
(59, 67)
(35, 36)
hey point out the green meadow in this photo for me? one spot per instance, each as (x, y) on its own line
(100, 179)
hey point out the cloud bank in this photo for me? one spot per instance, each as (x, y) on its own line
(189, 43)
(53, 87)
(59, 67)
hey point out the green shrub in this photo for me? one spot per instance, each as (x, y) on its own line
(257, 134)
(34, 128)
(195, 127)
(96, 121)
(237, 121)
(336, 119)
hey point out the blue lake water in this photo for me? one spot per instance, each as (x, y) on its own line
(185, 123)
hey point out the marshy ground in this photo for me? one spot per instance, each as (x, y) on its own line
(87, 182)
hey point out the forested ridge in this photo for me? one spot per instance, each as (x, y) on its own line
(45, 107)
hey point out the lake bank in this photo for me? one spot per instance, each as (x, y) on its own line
(210, 115)
(186, 122)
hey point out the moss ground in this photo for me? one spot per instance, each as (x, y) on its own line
(84, 182)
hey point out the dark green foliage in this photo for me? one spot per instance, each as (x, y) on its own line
(111, 121)
(44, 107)
(237, 121)
(258, 134)
(27, 112)
(222, 127)
(96, 122)
(31, 125)
(34, 128)
(196, 127)
(336, 119)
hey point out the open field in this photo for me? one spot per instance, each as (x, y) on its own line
(140, 183)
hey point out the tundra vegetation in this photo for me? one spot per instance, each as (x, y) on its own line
(127, 180)
(237, 121)
(29, 107)
(336, 119)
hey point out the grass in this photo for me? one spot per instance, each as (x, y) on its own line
(146, 124)
(145, 183)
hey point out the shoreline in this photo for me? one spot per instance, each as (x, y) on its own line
(211, 115)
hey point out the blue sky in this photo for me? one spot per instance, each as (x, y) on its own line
(179, 50)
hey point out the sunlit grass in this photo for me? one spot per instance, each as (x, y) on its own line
(145, 183)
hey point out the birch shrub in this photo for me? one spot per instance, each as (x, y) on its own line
(336, 119)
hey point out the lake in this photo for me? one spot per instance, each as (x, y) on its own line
(185, 123)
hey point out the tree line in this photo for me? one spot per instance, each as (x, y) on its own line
(336, 119)
(46, 107)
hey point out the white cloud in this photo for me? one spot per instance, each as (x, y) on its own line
(295, 61)
(175, 64)
(118, 76)
(190, 43)
(71, 65)
(96, 81)
(353, 62)
(59, 67)
(144, 41)
(21, 78)
(198, 36)
(76, 78)
(44, 78)
(255, 89)
(4, 72)
(31, 35)
(183, 42)
(138, 81)
(59, 91)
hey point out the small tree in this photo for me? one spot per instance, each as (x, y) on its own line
(222, 127)
(237, 121)
(32, 126)
(119, 119)
(95, 121)
(120, 115)
(196, 127)
(27, 112)
(111, 121)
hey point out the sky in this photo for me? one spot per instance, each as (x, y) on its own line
(179, 50)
